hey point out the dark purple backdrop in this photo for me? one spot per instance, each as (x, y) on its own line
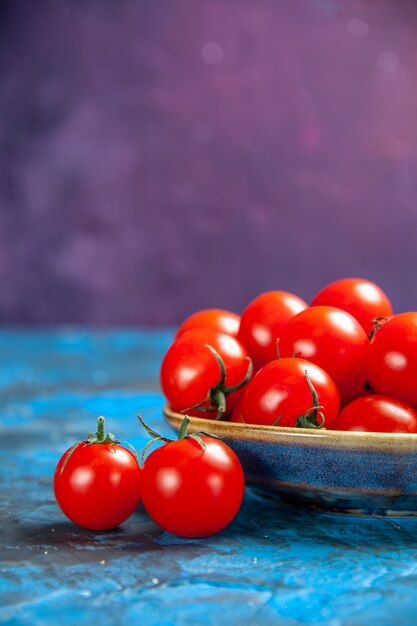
(159, 157)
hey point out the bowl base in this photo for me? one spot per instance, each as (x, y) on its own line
(338, 504)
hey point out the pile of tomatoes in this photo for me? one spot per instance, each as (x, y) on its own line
(345, 362)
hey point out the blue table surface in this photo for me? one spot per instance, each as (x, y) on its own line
(273, 565)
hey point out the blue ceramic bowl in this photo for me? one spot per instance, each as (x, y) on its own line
(343, 472)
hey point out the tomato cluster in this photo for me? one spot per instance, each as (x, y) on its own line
(191, 487)
(345, 362)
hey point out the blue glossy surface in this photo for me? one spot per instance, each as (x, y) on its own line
(273, 565)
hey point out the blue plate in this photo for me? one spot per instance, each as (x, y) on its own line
(343, 472)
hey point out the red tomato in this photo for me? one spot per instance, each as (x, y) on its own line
(237, 416)
(334, 340)
(191, 375)
(359, 297)
(216, 319)
(97, 484)
(263, 321)
(392, 358)
(378, 414)
(190, 491)
(280, 388)
(366, 390)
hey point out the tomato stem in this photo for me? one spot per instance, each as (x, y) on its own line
(219, 363)
(216, 397)
(275, 422)
(100, 428)
(244, 380)
(378, 323)
(218, 400)
(182, 434)
(100, 436)
(277, 348)
(310, 418)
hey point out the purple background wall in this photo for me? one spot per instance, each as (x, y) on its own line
(158, 157)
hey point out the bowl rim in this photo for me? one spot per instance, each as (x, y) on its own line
(337, 439)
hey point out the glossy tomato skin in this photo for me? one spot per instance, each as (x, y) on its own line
(281, 388)
(191, 492)
(377, 413)
(237, 415)
(392, 358)
(262, 322)
(215, 319)
(361, 298)
(190, 370)
(334, 340)
(99, 487)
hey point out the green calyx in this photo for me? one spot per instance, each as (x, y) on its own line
(216, 397)
(182, 434)
(310, 419)
(99, 437)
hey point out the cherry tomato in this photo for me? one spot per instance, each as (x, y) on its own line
(192, 488)
(334, 340)
(263, 321)
(192, 379)
(359, 297)
(216, 319)
(377, 413)
(366, 390)
(392, 358)
(280, 390)
(97, 482)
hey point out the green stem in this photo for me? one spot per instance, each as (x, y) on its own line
(220, 364)
(100, 429)
(310, 418)
(243, 382)
(218, 399)
(182, 433)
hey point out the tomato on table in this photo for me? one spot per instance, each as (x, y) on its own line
(332, 339)
(392, 358)
(377, 413)
(360, 297)
(192, 487)
(97, 482)
(262, 322)
(204, 373)
(215, 319)
(279, 393)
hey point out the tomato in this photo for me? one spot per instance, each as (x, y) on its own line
(359, 297)
(97, 482)
(392, 358)
(192, 488)
(377, 413)
(280, 390)
(237, 416)
(192, 379)
(332, 339)
(216, 319)
(262, 322)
